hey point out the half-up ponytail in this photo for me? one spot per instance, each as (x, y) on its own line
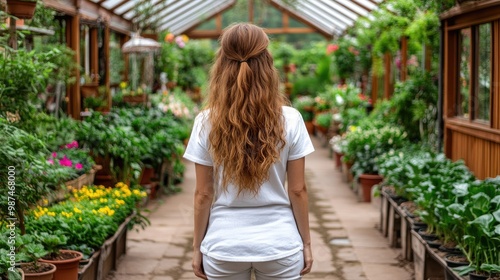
(247, 128)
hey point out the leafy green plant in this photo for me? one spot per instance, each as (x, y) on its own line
(323, 119)
(24, 157)
(52, 242)
(94, 102)
(304, 104)
(345, 58)
(365, 146)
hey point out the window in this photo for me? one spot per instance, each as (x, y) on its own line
(483, 83)
(473, 96)
(464, 73)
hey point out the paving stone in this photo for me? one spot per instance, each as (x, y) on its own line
(133, 265)
(146, 249)
(162, 278)
(337, 233)
(332, 225)
(347, 254)
(355, 272)
(166, 265)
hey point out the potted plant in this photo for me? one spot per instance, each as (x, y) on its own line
(322, 121)
(364, 146)
(66, 261)
(305, 106)
(23, 9)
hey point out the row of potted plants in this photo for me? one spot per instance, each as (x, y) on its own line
(460, 213)
(127, 140)
(84, 221)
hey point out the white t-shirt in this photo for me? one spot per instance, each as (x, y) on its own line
(248, 228)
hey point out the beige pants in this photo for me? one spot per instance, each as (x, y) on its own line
(286, 268)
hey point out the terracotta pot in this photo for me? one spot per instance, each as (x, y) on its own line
(147, 174)
(309, 127)
(47, 275)
(21, 9)
(338, 160)
(367, 181)
(66, 269)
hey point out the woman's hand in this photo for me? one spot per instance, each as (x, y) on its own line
(198, 264)
(308, 260)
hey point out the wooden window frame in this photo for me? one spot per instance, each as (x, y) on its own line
(455, 43)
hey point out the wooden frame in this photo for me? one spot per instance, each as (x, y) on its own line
(474, 141)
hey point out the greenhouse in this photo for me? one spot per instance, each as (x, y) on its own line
(389, 113)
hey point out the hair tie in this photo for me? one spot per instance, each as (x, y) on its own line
(241, 61)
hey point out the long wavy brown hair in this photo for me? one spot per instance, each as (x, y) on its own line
(247, 128)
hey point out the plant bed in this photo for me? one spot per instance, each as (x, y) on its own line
(406, 227)
(88, 271)
(384, 213)
(394, 224)
(425, 265)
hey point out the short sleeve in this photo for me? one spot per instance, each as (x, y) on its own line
(301, 144)
(197, 150)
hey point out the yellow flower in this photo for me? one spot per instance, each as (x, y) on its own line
(123, 85)
(52, 214)
(80, 219)
(120, 202)
(77, 210)
(185, 38)
(45, 202)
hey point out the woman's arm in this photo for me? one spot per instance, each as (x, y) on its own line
(297, 191)
(203, 197)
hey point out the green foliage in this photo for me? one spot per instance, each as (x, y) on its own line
(345, 58)
(414, 106)
(22, 76)
(304, 104)
(91, 216)
(364, 146)
(323, 119)
(25, 155)
(52, 242)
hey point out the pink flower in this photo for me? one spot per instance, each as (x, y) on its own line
(331, 48)
(78, 166)
(293, 68)
(72, 145)
(54, 154)
(50, 161)
(65, 162)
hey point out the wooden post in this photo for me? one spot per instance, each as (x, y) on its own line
(250, 11)
(107, 82)
(12, 34)
(94, 55)
(285, 21)
(73, 35)
(124, 39)
(404, 58)
(374, 82)
(428, 58)
(388, 76)
(218, 22)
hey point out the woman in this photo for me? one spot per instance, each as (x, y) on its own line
(244, 146)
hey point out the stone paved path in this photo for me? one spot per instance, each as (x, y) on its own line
(346, 242)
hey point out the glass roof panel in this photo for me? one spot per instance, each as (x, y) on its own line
(332, 14)
(125, 7)
(353, 6)
(111, 3)
(329, 16)
(198, 13)
(339, 9)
